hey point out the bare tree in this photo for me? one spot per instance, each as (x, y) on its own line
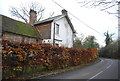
(104, 5)
(23, 11)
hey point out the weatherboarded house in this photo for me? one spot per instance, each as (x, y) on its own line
(18, 31)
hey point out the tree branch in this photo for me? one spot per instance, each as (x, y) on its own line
(108, 7)
(104, 5)
(16, 13)
(23, 11)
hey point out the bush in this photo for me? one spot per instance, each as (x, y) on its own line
(21, 58)
(110, 51)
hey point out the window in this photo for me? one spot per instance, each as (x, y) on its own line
(57, 29)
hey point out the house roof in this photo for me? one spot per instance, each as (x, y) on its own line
(14, 26)
(70, 23)
(52, 18)
(46, 20)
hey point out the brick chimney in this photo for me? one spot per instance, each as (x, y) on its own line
(64, 12)
(33, 16)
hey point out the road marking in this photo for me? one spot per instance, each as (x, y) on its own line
(108, 66)
(96, 75)
(101, 71)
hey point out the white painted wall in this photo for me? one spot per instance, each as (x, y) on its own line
(65, 33)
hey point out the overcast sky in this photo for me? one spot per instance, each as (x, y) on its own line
(98, 20)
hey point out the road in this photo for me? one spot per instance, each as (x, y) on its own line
(106, 69)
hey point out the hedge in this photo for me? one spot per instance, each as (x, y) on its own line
(20, 58)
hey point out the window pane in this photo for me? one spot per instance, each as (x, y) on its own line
(57, 29)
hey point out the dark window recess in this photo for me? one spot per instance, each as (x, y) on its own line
(57, 28)
(37, 41)
(43, 41)
(56, 44)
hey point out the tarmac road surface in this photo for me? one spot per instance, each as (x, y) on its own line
(106, 69)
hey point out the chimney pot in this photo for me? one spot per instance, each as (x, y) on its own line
(64, 12)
